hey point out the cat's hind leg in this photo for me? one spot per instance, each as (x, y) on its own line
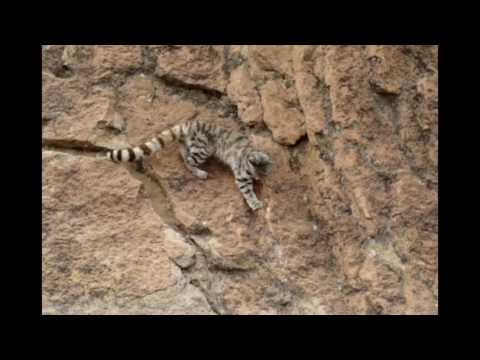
(192, 162)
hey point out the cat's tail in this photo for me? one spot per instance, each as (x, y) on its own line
(148, 148)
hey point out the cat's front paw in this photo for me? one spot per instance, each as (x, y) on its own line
(255, 204)
(200, 174)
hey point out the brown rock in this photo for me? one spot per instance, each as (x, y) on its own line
(78, 57)
(102, 61)
(52, 60)
(117, 58)
(427, 88)
(408, 188)
(389, 68)
(148, 110)
(265, 58)
(280, 115)
(100, 249)
(71, 109)
(243, 92)
(350, 219)
(312, 96)
(178, 249)
(196, 65)
(344, 72)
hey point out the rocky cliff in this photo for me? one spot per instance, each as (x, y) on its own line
(351, 211)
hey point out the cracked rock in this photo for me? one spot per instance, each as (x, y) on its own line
(350, 219)
(100, 248)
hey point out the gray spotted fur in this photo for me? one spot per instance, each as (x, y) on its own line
(201, 141)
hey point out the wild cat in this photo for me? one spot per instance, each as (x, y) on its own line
(199, 142)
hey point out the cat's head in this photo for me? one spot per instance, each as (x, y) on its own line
(261, 162)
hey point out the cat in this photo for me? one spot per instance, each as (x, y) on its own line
(201, 141)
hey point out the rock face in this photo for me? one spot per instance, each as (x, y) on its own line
(351, 211)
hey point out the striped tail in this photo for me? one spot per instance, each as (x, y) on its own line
(146, 149)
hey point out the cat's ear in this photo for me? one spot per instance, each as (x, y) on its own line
(258, 158)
